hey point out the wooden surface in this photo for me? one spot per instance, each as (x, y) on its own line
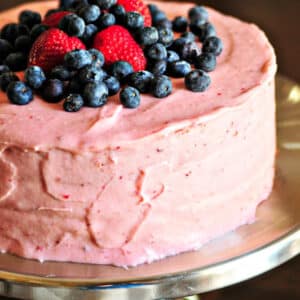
(281, 21)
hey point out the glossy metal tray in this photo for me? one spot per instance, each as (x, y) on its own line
(251, 250)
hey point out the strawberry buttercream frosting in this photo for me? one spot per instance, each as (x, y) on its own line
(125, 187)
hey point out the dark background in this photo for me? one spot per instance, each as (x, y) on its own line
(280, 19)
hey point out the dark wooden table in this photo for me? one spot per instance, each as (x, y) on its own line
(281, 21)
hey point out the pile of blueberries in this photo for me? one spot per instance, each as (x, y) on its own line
(85, 80)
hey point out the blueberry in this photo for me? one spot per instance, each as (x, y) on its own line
(119, 12)
(148, 36)
(75, 86)
(91, 74)
(198, 13)
(130, 97)
(165, 23)
(197, 81)
(157, 67)
(180, 24)
(78, 4)
(19, 93)
(105, 4)
(166, 36)
(141, 81)
(6, 78)
(112, 84)
(53, 90)
(16, 61)
(89, 33)
(172, 56)
(37, 30)
(97, 58)
(73, 103)
(23, 43)
(72, 25)
(4, 69)
(188, 36)
(89, 13)
(5, 48)
(106, 20)
(34, 77)
(206, 62)
(179, 69)
(30, 18)
(12, 30)
(178, 45)
(134, 20)
(158, 16)
(203, 31)
(190, 51)
(153, 8)
(78, 59)
(156, 52)
(95, 94)
(61, 72)
(121, 70)
(66, 3)
(213, 45)
(161, 86)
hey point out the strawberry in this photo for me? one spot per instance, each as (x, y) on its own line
(54, 19)
(138, 6)
(50, 48)
(116, 43)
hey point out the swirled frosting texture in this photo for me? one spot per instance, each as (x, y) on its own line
(124, 187)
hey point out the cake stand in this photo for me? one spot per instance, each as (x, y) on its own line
(249, 251)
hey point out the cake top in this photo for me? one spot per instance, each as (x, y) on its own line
(246, 62)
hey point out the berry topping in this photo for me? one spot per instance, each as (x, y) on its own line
(206, 62)
(213, 45)
(19, 93)
(6, 78)
(89, 33)
(165, 36)
(198, 13)
(161, 86)
(203, 31)
(91, 74)
(72, 25)
(12, 30)
(73, 103)
(119, 12)
(197, 81)
(138, 6)
(112, 84)
(78, 59)
(172, 56)
(34, 77)
(116, 43)
(95, 94)
(105, 4)
(23, 43)
(134, 20)
(54, 19)
(30, 18)
(130, 97)
(97, 58)
(4, 69)
(121, 70)
(106, 20)
(37, 30)
(50, 48)
(53, 90)
(157, 67)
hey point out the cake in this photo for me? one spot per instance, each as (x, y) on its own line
(126, 187)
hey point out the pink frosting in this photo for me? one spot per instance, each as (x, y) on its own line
(124, 187)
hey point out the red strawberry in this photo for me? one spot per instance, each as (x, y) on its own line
(54, 19)
(50, 48)
(116, 43)
(138, 6)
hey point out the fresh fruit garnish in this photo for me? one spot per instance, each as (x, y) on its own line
(50, 48)
(116, 43)
(138, 6)
(54, 19)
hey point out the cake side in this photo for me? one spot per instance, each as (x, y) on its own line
(131, 187)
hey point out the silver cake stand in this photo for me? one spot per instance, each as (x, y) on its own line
(251, 250)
